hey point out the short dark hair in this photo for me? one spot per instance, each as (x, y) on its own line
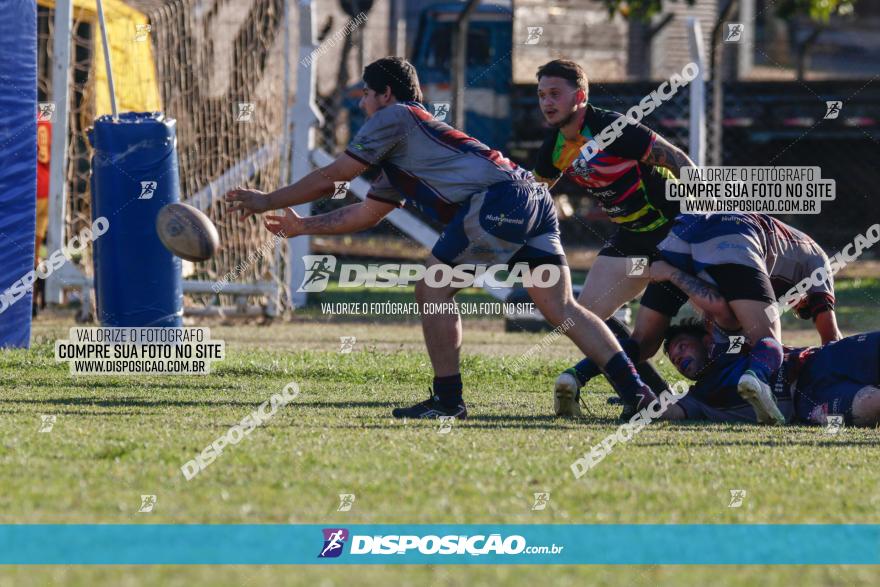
(396, 73)
(568, 70)
(690, 327)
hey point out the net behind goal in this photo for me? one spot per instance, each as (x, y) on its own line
(218, 69)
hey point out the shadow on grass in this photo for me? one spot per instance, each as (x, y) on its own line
(116, 385)
(217, 402)
(350, 404)
(123, 402)
(769, 443)
(85, 413)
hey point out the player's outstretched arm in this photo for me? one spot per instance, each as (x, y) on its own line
(700, 293)
(345, 220)
(317, 184)
(665, 154)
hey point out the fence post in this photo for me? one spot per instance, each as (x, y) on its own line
(697, 130)
(305, 115)
(58, 163)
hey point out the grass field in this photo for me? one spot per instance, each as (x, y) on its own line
(116, 438)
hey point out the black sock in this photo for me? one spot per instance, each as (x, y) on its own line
(632, 349)
(448, 389)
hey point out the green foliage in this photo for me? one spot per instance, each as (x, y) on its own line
(642, 10)
(816, 10)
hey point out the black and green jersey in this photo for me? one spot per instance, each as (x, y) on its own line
(632, 193)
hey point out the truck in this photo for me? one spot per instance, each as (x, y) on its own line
(488, 75)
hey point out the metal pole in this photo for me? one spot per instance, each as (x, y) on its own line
(284, 155)
(697, 135)
(60, 138)
(746, 48)
(306, 115)
(716, 60)
(285, 140)
(107, 61)
(459, 64)
(397, 40)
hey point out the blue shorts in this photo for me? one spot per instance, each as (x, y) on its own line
(509, 222)
(834, 374)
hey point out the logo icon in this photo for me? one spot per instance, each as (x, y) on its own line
(832, 109)
(736, 498)
(534, 35)
(346, 344)
(334, 540)
(346, 500)
(734, 32)
(441, 110)
(319, 268)
(45, 111)
(636, 266)
(141, 31)
(47, 421)
(147, 503)
(446, 423)
(148, 188)
(245, 111)
(341, 190)
(735, 344)
(581, 167)
(541, 501)
(833, 424)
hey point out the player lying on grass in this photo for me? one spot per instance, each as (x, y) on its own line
(753, 260)
(628, 180)
(493, 212)
(840, 378)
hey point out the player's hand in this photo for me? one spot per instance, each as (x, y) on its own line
(661, 271)
(248, 202)
(288, 224)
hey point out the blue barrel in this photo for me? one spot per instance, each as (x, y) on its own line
(134, 174)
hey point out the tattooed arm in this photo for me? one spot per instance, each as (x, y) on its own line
(701, 294)
(342, 221)
(665, 154)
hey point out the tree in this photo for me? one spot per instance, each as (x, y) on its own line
(819, 13)
(641, 31)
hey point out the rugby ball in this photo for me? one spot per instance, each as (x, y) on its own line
(187, 232)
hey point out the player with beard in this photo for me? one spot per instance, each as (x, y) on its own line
(805, 385)
(841, 378)
(628, 180)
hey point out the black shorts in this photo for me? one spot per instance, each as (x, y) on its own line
(626, 243)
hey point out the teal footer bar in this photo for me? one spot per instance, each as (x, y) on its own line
(439, 544)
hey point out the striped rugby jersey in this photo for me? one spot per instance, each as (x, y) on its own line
(632, 193)
(427, 163)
